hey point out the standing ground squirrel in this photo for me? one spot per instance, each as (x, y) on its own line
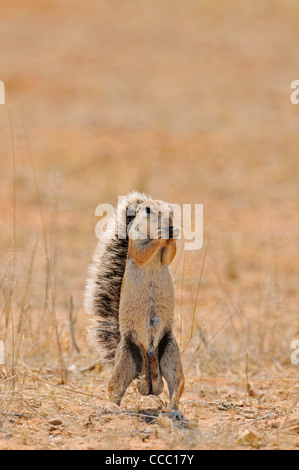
(130, 293)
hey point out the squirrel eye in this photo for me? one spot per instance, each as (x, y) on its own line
(148, 210)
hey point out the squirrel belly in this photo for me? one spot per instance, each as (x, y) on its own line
(147, 303)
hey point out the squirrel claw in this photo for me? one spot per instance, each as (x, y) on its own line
(176, 233)
(158, 234)
(175, 415)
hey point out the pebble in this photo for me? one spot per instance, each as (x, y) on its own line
(56, 422)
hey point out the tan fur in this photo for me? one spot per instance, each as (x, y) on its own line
(148, 349)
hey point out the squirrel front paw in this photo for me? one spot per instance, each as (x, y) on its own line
(167, 236)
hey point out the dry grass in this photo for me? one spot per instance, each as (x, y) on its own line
(189, 102)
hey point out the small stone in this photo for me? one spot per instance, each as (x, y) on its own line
(56, 422)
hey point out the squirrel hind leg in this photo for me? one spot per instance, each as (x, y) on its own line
(128, 363)
(171, 368)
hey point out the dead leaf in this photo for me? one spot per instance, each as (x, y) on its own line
(248, 437)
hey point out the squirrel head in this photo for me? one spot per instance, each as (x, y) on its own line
(154, 219)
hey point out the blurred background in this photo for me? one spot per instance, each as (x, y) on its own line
(188, 101)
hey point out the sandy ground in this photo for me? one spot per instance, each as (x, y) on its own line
(189, 101)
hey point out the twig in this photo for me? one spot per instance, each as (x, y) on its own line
(196, 300)
(72, 325)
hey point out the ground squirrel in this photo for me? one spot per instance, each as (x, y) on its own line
(130, 293)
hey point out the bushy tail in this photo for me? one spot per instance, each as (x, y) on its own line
(102, 294)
